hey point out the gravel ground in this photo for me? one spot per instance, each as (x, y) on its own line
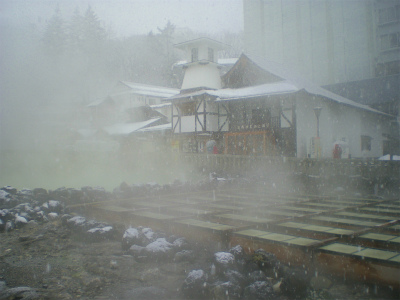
(56, 263)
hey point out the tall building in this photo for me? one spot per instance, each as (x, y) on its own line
(327, 41)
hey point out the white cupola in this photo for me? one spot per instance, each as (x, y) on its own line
(202, 69)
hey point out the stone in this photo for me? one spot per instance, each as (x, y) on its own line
(259, 290)
(184, 255)
(265, 260)
(195, 285)
(226, 291)
(100, 233)
(22, 293)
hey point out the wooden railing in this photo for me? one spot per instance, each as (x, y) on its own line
(243, 165)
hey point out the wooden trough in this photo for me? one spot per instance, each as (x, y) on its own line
(354, 262)
(290, 249)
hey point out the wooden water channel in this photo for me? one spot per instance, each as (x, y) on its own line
(351, 237)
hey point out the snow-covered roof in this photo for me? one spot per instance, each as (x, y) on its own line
(281, 87)
(220, 61)
(155, 106)
(163, 127)
(128, 128)
(149, 90)
(301, 83)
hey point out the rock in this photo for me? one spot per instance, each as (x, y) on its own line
(159, 245)
(261, 290)
(40, 194)
(131, 236)
(54, 206)
(52, 216)
(222, 261)
(22, 293)
(226, 291)
(237, 251)
(257, 276)
(235, 277)
(224, 258)
(9, 189)
(148, 233)
(184, 255)
(159, 249)
(195, 285)
(179, 243)
(77, 221)
(265, 260)
(20, 221)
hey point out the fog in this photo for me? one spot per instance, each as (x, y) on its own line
(58, 57)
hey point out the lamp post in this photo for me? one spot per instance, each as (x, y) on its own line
(317, 111)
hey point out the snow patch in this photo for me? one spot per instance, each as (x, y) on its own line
(54, 203)
(4, 195)
(53, 215)
(195, 275)
(131, 233)
(224, 257)
(148, 233)
(78, 220)
(159, 245)
(387, 157)
(100, 230)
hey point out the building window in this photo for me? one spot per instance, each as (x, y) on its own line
(390, 41)
(389, 14)
(195, 54)
(210, 54)
(366, 143)
(187, 109)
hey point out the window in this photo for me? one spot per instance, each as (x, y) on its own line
(390, 41)
(187, 109)
(366, 143)
(210, 54)
(195, 54)
(389, 14)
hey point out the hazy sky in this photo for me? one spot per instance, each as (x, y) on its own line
(127, 17)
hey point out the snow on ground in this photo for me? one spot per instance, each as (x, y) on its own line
(387, 157)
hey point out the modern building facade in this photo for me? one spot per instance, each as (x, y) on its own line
(327, 41)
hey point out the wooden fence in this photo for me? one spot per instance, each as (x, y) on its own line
(370, 172)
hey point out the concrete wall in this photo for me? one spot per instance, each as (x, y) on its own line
(327, 41)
